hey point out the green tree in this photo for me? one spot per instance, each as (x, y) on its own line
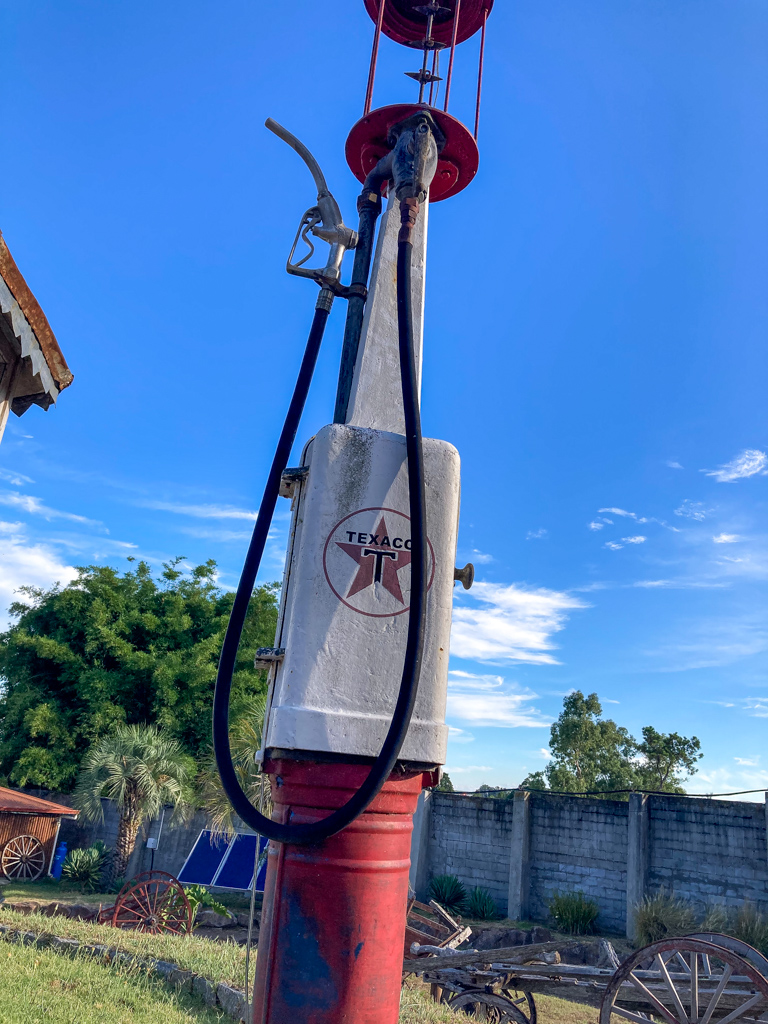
(245, 733)
(444, 785)
(142, 770)
(112, 648)
(595, 754)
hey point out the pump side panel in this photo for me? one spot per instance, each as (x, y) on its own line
(345, 612)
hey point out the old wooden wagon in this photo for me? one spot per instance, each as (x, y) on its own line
(706, 978)
(29, 828)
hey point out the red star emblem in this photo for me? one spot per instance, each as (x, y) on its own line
(379, 562)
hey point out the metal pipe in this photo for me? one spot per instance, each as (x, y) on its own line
(434, 75)
(480, 72)
(374, 58)
(427, 38)
(453, 51)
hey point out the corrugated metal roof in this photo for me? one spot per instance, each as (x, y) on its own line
(24, 803)
(25, 317)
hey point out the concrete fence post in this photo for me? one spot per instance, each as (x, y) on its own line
(519, 857)
(638, 856)
(422, 827)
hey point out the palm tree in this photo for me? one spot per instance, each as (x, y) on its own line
(245, 740)
(142, 771)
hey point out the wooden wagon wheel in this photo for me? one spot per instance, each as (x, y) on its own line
(496, 1009)
(155, 905)
(23, 858)
(689, 980)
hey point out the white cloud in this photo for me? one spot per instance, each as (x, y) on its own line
(26, 503)
(27, 564)
(725, 778)
(480, 558)
(748, 463)
(509, 623)
(224, 536)
(456, 735)
(716, 641)
(470, 768)
(607, 700)
(747, 761)
(634, 540)
(17, 479)
(726, 538)
(693, 510)
(623, 512)
(612, 545)
(536, 534)
(594, 525)
(201, 511)
(673, 464)
(486, 700)
(543, 752)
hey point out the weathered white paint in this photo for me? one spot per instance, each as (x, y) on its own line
(30, 349)
(336, 688)
(376, 397)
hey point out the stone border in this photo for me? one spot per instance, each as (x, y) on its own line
(230, 1000)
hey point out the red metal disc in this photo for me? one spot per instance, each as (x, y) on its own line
(403, 24)
(456, 166)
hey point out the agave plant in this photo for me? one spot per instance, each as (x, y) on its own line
(481, 905)
(448, 891)
(84, 867)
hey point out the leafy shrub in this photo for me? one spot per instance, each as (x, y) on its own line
(661, 916)
(198, 896)
(573, 913)
(84, 867)
(448, 891)
(481, 905)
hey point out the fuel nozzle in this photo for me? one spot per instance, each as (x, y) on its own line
(323, 220)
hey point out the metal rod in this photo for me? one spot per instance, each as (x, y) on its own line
(434, 74)
(427, 38)
(453, 51)
(374, 58)
(480, 72)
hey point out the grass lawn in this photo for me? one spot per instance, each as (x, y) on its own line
(220, 961)
(49, 889)
(40, 987)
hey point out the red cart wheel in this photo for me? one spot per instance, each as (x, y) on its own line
(23, 858)
(155, 905)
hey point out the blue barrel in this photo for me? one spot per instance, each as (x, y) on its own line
(58, 860)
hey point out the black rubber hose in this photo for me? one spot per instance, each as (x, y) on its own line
(369, 207)
(401, 718)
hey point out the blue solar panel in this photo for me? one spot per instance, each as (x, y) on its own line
(204, 859)
(237, 870)
(224, 864)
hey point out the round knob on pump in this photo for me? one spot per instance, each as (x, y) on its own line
(465, 576)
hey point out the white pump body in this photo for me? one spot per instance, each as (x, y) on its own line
(346, 590)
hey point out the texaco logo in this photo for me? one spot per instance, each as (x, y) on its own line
(367, 559)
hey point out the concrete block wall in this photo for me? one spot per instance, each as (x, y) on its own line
(525, 848)
(708, 851)
(579, 844)
(471, 838)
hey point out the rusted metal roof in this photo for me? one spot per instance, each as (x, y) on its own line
(15, 802)
(44, 371)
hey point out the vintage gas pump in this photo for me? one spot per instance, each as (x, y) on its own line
(358, 675)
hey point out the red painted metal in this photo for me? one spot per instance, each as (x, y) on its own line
(480, 75)
(331, 938)
(454, 39)
(456, 166)
(374, 58)
(398, 25)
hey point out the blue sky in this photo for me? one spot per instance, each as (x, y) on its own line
(595, 331)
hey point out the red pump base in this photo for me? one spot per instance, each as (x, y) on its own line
(333, 926)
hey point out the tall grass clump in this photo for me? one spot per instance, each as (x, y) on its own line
(745, 922)
(448, 891)
(661, 916)
(573, 913)
(481, 906)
